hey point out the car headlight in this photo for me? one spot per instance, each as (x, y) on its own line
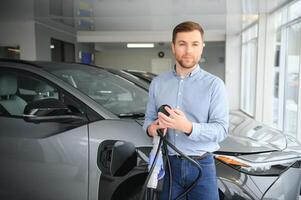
(256, 169)
(231, 161)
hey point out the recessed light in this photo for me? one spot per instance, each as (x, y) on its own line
(140, 45)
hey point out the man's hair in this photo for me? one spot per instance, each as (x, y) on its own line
(187, 26)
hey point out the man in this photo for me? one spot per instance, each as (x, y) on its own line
(198, 118)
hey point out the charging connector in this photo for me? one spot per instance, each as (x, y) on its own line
(158, 171)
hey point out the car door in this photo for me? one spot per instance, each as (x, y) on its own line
(47, 160)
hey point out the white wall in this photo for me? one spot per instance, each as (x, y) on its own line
(27, 24)
(17, 27)
(43, 39)
(46, 28)
(19, 34)
(233, 53)
(233, 74)
(16, 10)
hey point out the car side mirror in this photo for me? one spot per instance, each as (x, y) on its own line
(116, 157)
(49, 110)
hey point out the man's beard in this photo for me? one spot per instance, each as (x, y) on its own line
(188, 65)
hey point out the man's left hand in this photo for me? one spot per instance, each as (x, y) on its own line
(176, 120)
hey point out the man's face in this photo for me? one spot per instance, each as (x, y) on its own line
(188, 48)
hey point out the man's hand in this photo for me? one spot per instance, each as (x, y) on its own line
(152, 129)
(177, 120)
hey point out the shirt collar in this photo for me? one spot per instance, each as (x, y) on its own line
(192, 73)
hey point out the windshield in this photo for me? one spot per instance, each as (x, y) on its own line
(111, 91)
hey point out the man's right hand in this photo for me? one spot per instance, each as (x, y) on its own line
(153, 127)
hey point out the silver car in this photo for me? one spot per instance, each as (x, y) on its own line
(252, 159)
(73, 131)
(54, 119)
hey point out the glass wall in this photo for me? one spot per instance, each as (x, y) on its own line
(249, 64)
(292, 78)
(286, 71)
(280, 90)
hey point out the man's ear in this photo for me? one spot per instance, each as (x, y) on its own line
(173, 47)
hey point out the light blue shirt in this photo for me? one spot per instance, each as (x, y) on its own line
(202, 97)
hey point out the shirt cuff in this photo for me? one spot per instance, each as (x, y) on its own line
(195, 133)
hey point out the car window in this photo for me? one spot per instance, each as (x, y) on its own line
(113, 92)
(19, 88)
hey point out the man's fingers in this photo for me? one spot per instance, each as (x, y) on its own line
(165, 124)
(170, 111)
(163, 116)
(179, 112)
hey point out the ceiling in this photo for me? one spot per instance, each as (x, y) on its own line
(120, 21)
(157, 15)
(150, 18)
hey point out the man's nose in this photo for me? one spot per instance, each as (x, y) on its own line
(189, 48)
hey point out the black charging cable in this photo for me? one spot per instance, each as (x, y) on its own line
(166, 142)
(165, 150)
(189, 159)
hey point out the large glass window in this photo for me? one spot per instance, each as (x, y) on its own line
(277, 86)
(286, 82)
(292, 78)
(249, 64)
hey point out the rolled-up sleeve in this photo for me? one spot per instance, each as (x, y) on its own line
(216, 129)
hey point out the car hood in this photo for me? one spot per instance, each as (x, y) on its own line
(236, 145)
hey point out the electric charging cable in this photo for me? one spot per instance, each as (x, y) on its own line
(142, 194)
(189, 159)
(166, 142)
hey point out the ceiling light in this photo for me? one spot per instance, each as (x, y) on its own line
(52, 46)
(140, 45)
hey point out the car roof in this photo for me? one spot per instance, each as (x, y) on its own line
(47, 64)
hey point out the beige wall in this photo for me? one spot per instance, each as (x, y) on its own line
(122, 58)
(142, 59)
